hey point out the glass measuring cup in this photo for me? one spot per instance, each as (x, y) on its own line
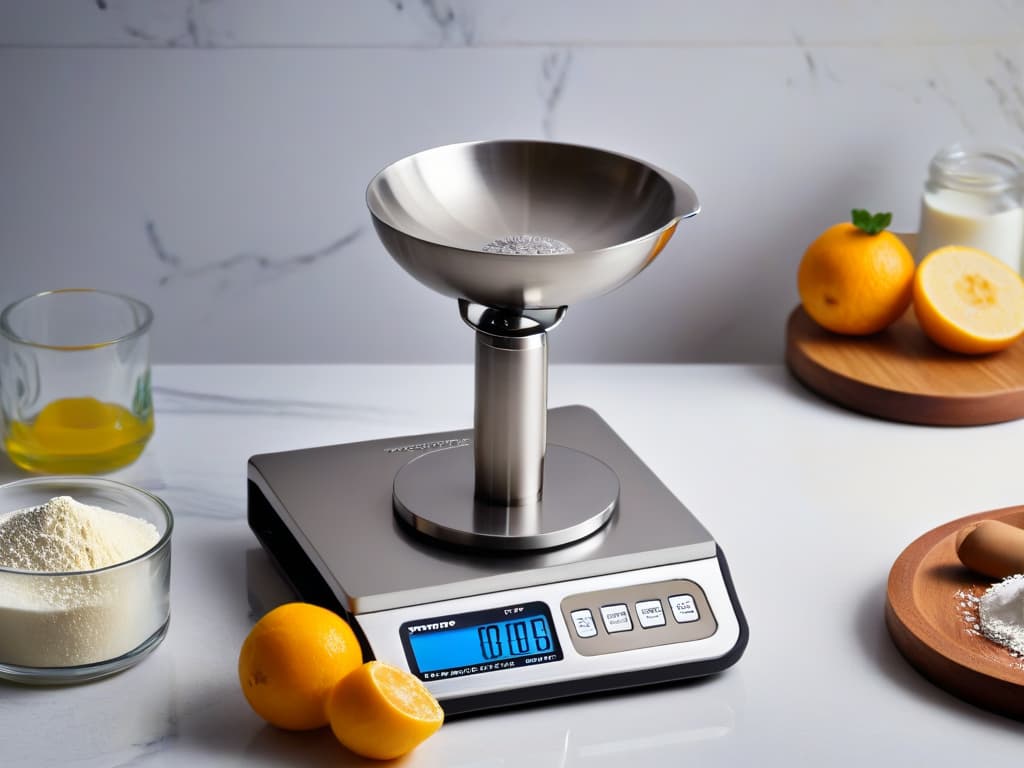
(75, 381)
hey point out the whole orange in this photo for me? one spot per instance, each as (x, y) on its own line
(855, 282)
(292, 659)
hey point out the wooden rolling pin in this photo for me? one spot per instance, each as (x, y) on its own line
(992, 548)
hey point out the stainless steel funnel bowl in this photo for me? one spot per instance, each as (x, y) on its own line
(435, 212)
(517, 231)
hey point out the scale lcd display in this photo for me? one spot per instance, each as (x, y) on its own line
(481, 641)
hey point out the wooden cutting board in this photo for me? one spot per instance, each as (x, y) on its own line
(900, 375)
(926, 622)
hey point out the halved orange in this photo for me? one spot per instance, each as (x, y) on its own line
(382, 712)
(968, 301)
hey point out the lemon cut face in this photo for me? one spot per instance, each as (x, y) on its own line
(968, 301)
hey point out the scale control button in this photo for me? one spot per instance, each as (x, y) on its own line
(584, 621)
(650, 613)
(616, 618)
(683, 608)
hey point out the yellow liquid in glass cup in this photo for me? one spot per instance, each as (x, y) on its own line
(78, 435)
(75, 381)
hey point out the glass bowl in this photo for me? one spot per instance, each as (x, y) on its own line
(71, 627)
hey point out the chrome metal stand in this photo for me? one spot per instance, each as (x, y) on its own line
(517, 231)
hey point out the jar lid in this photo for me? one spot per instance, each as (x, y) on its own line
(978, 168)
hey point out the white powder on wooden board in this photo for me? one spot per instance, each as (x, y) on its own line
(57, 618)
(1001, 614)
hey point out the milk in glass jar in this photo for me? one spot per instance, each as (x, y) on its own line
(974, 196)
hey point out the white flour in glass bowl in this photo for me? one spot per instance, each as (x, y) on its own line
(84, 610)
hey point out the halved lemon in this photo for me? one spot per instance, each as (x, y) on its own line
(968, 301)
(382, 712)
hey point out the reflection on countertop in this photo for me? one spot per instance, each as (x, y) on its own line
(749, 452)
(560, 733)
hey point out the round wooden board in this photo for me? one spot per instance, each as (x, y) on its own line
(925, 622)
(900, 375)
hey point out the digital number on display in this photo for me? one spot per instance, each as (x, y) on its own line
(481, 641)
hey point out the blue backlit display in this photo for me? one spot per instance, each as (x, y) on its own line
(482, 641)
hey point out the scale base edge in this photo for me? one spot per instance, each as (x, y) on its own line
(309, 585)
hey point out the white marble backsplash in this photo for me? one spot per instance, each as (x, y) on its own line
(210, 156)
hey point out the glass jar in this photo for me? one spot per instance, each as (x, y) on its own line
(974, 196)
(75, 394)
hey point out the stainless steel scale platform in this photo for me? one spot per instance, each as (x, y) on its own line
(534, 556)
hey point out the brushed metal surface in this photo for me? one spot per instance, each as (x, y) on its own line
(336, 501)
(516, 231)
(435, 211)
(381, 630)
(503, 322)
(431, 494)
(510, 415)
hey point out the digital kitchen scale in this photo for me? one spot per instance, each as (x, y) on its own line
(534, 556)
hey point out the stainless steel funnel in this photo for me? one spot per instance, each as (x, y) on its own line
(517, 231)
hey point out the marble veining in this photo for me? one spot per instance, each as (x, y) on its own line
(451, 24)
(241, 23)
(859, 102)
(182, 706)
(554, 72)
(157, 744)
(814, 67)
(189, 28)
(187, 501)
(182, 401)
(267, 267)
(157, 245)
(1007, 89)
(938, 86)
(454, 22)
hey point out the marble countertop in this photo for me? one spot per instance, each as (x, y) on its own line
(811, 504)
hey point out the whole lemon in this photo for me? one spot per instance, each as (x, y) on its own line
(292, 659)
(856, 278)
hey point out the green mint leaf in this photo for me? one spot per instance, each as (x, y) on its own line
(872, 224)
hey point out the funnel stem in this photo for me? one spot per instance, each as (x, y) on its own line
(510, 418)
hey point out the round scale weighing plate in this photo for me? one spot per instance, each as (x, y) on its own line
(433, 493)
(925, 622)
(900, 375)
